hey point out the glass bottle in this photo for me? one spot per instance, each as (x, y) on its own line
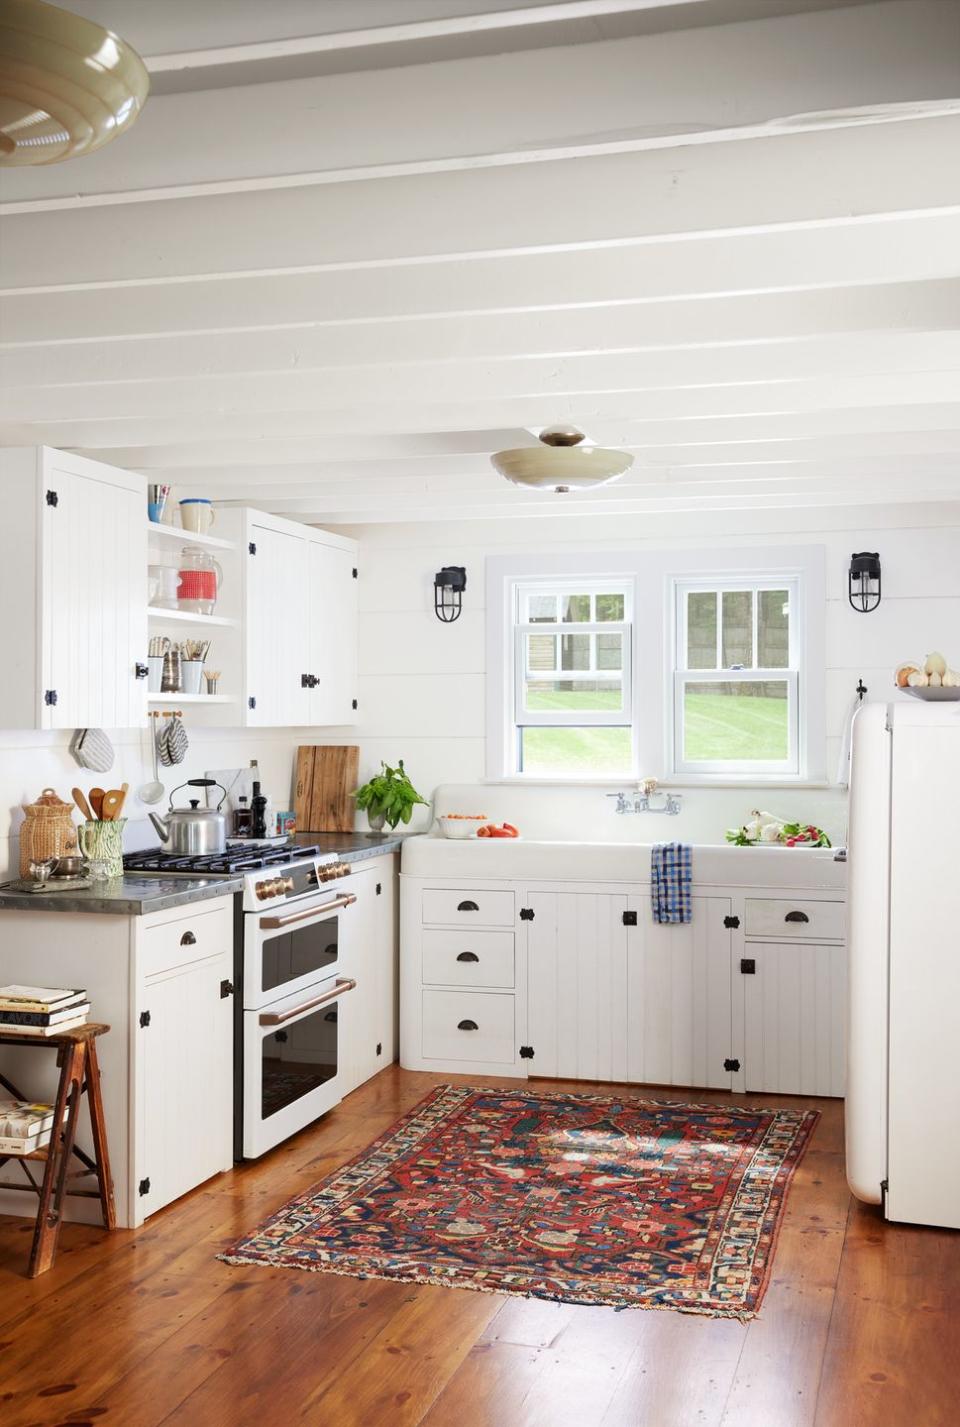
(242, 818)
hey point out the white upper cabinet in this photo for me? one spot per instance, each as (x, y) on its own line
(333, 630)
(300, 615)
(73, 592)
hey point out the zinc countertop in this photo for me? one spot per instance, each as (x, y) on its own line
(135, 896)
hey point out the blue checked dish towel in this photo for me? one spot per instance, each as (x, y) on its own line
(671, 880)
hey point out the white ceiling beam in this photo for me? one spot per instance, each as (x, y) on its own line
(669, 89)
(770, 319)
(538, 381)
(801, 179)
(860, 251)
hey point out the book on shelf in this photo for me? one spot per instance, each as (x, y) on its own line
(55, 1030)
(17, 1020)
(24, 1119)
(23, 1144)
(38, 998)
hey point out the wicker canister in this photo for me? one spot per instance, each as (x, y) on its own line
(47, 831)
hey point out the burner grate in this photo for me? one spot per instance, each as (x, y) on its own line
(215, 864)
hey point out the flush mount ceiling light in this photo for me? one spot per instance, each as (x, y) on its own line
(560, 463)
(67, 86)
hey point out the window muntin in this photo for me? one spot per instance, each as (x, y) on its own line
(736, 681)
(572, 705)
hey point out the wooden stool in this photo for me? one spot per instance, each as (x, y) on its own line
(79, 1072)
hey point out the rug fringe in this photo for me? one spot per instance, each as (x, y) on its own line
(742, 1315)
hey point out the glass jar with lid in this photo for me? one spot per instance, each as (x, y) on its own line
(200, 577)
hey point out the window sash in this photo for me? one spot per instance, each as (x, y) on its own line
(573, 718)
(735, 584)
(741, 767)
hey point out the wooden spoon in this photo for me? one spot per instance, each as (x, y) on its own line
(82, 804)
(95, 800)
(112, 803)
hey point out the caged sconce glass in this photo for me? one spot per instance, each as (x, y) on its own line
(448, 587)
(864, 577)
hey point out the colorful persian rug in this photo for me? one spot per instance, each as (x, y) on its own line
(601, 1199)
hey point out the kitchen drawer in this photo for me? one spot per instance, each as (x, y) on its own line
(818, 921)
(468, 958)
(491, 909)
(468, 1025)
(192, 937)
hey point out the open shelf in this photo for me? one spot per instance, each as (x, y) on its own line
(186, 616)
(191, 699)
(187, 537)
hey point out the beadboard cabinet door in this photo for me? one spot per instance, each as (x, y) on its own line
(73, 592)
(371, 960)
(333, 633)
(795, 1011)
(277, 624)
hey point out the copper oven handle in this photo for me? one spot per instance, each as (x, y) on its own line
(272, 923)
(277, 1018)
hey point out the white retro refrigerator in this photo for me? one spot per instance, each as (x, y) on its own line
(903, 1087)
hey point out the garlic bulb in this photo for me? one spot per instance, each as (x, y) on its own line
(936, 664)
(951, 679)
(918, 681)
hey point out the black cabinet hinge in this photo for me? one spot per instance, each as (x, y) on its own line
(748, 966)
(144, 1019)
(226, 989)
(50, 697)
(354, 572)
(251, 703)
(731, 1065)
(731, 923)
(52, 498)
(354, 704)
(526, 1052)
(379, 1048)
(629, 919)
(308, 681)
(526, 914)
(252, 547)
(379, 889)
(143, 1187)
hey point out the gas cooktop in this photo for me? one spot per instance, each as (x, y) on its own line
(153, 861)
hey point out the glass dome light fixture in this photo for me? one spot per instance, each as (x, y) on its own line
(67, 85)
(560, 463)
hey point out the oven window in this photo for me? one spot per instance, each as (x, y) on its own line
(297, 1059)
(302, 951)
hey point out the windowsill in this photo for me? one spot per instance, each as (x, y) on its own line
(519, 781)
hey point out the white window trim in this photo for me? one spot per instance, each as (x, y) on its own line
(654, 574)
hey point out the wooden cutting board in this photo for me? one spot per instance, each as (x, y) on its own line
(326, 776)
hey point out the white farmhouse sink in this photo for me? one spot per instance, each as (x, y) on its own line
(713, 865)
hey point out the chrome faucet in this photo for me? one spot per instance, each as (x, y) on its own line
(640, 801)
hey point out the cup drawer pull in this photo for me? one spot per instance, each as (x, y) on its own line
(188, 939)
(467, 1026)
(796, 917)
(467, 907)
(468, 956)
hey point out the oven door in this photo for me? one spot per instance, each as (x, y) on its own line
(288, 951)
(293, 1063)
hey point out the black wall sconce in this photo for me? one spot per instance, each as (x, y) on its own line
(864, 588)
(448, 587)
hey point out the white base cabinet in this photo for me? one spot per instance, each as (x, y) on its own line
(160, 982)
(578, 982)
(371, 959)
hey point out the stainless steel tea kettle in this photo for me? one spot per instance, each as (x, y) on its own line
(193, 831)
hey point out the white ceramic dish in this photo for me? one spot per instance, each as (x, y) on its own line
(933, 695)
(460, 828)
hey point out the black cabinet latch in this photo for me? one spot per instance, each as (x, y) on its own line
(731, 1065)
(629, 919)
(526, 914)
(748, 966)
(140, 671)
(143, 1187)
(144, 1019)
(50, 697)
(731, 923)
(52, 498)
(226, 989)
(379, 1047)
(252, 547)
(526, 1052)
(251, 703)
(308, 681)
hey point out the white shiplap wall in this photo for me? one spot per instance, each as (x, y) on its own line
(422, 684)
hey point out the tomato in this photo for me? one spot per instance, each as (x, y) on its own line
(510, 830)
(483, 831)
(500, 832)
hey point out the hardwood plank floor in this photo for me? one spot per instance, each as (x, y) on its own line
(860, 1326)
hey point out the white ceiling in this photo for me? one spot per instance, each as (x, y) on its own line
(353, 247)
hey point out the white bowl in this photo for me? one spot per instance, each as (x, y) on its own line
(460, 827)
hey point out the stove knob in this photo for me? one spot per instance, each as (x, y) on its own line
(313, 877)
(286, 884)
(344, 869)
(262, 889)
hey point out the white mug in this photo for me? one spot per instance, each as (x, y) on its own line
(196, 515)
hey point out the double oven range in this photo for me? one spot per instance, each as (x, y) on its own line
(292, 925)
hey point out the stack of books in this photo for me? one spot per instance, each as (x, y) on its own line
(41, 1010)
(24, 1127)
